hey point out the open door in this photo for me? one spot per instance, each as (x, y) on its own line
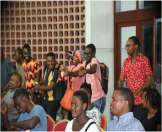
(157, 53)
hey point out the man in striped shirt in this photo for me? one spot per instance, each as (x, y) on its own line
(120, 106)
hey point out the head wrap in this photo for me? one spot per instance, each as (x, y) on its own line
(80, 54)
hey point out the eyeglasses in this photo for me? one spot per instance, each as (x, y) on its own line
(127, 46)
(87, 53)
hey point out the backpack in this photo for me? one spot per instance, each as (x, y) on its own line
(105, 77)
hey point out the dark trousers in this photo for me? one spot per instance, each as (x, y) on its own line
(51, 107)
(139, 112)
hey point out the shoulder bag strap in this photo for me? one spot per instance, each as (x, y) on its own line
(89, 125)
(97, 77)
(71, 83)
(85, 69)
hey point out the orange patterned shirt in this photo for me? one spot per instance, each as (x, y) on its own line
(30, 70)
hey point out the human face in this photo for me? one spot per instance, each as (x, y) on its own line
(75, 59)
(14, 82)
(144, 101)
(17, 56)
(50, 62)
(20, 104)
(117, 104)
(88, 54)
(131, 47)
(27, 54)
(77, 106)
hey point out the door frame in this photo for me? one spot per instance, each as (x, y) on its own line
(129, 17)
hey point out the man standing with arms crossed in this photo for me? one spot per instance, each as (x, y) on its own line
(138, 74)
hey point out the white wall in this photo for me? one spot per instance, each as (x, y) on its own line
(99, 31)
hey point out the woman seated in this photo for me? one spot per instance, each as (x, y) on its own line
(81, 121)
(152, 101)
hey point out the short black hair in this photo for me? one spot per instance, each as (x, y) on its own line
(136, 41)
(19, 50)
(50, 54)
(26, 46)
(87, 87)
(92, 47)
(83, 97)
(21, 92)
(153, 96)
(127, 95)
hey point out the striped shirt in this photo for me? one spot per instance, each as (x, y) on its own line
(126, 122)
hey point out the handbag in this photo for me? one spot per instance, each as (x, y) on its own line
(66, 100)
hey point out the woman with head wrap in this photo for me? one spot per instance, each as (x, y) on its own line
(76, 82)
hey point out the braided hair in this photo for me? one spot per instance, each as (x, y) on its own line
(153, 96)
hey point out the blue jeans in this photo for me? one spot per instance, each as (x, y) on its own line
(100, 104)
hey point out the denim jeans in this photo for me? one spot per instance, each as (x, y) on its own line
(100, 104)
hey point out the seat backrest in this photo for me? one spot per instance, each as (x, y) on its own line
(50, 123)
(101, 129)
(61, 125)
(103, 122)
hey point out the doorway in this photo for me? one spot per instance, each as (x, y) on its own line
(146, 27)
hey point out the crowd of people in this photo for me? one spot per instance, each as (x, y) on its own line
(135, 108)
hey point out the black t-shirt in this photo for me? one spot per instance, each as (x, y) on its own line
(151, 124)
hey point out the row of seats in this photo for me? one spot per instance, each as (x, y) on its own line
(61, 125)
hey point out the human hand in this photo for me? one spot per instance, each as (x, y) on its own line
(4, 108)
(57, 65)
(11, 106)
(12, 128)
(66, 73)
(81, 73)
(4, 93)
(37, 86)
(137, 92)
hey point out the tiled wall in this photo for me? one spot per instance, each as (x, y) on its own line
(45, 25)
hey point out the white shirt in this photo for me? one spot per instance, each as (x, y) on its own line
(92, 128)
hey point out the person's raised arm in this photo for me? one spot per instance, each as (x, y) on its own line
(74, 74)
(51, 85)
(45, 88)
(91, 70)
(5, 87)
(121, 80)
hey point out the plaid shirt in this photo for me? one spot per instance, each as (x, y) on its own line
(126, 122)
